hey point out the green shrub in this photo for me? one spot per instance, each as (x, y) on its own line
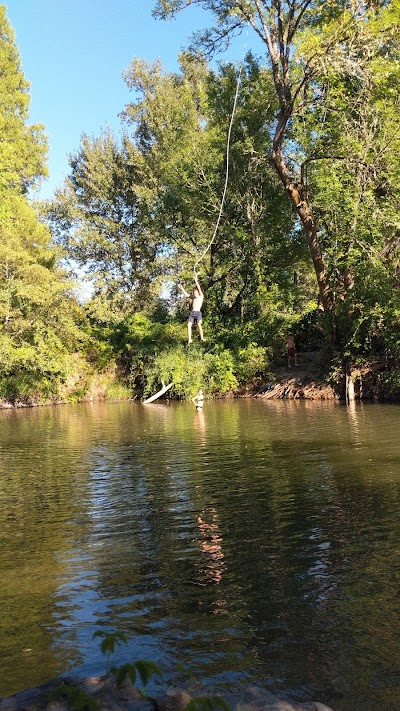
(191, 369)
(252, 362)
(77, 699)
(391, 383)
(186, 369)
(220, 372)
(142, 668)
(27, 385)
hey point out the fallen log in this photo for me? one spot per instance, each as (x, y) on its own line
(158, 394)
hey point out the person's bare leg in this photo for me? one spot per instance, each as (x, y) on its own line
(200, 329)
(189, 332)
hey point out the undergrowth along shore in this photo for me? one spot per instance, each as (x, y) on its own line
(373, 381)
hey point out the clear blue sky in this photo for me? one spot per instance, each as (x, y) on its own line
(73, 53)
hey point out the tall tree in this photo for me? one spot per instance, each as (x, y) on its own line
(108, 214)
(22, 147)
(100, 216)
(37, 307)
(258, 247)
(349, 157)
(166, 122)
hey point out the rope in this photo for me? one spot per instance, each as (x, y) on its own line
(227, 161)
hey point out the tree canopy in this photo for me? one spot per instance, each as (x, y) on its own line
(327, 62)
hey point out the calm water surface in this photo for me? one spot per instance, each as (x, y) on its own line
(254, 541)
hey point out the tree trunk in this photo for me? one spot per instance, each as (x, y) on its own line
(279, 38)
(304, 212)
(158, 394)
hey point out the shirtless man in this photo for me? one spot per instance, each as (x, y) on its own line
(195, 313)
(291, 350)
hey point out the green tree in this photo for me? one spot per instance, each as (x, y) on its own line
(38, 312)
(147, 209)
(22, 147)
(258, 247)
(100, 216)
(350, 167)
(166, 122)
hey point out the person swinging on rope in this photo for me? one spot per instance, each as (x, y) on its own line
(195, 313)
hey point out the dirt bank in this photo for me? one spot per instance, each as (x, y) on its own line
(376, 381)
(306, 381)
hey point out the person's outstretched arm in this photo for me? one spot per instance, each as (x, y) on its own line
(183, 290)
(198, 285)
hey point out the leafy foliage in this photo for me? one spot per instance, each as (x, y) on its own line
(39, 315)
(145, 669)
(22, 147)
(213, 702)
(110, 641)
(77, 699)
(99, 216)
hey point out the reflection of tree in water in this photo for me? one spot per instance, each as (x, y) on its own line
(42, 521)
(146, 549)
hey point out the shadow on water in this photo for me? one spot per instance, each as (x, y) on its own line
(251, 541)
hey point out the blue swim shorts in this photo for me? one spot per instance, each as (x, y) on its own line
(195, 315)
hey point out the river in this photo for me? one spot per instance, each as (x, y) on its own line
(254, 541)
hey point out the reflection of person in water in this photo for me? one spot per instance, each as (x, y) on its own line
(200, 426)
(210, 543)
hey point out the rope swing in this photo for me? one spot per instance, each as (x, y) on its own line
(228, 145)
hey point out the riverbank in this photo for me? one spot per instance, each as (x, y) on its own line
(306, 381)
(102, 693)
(375, 381)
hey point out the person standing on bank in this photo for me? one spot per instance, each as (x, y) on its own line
(195, 313)
(291, 350)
